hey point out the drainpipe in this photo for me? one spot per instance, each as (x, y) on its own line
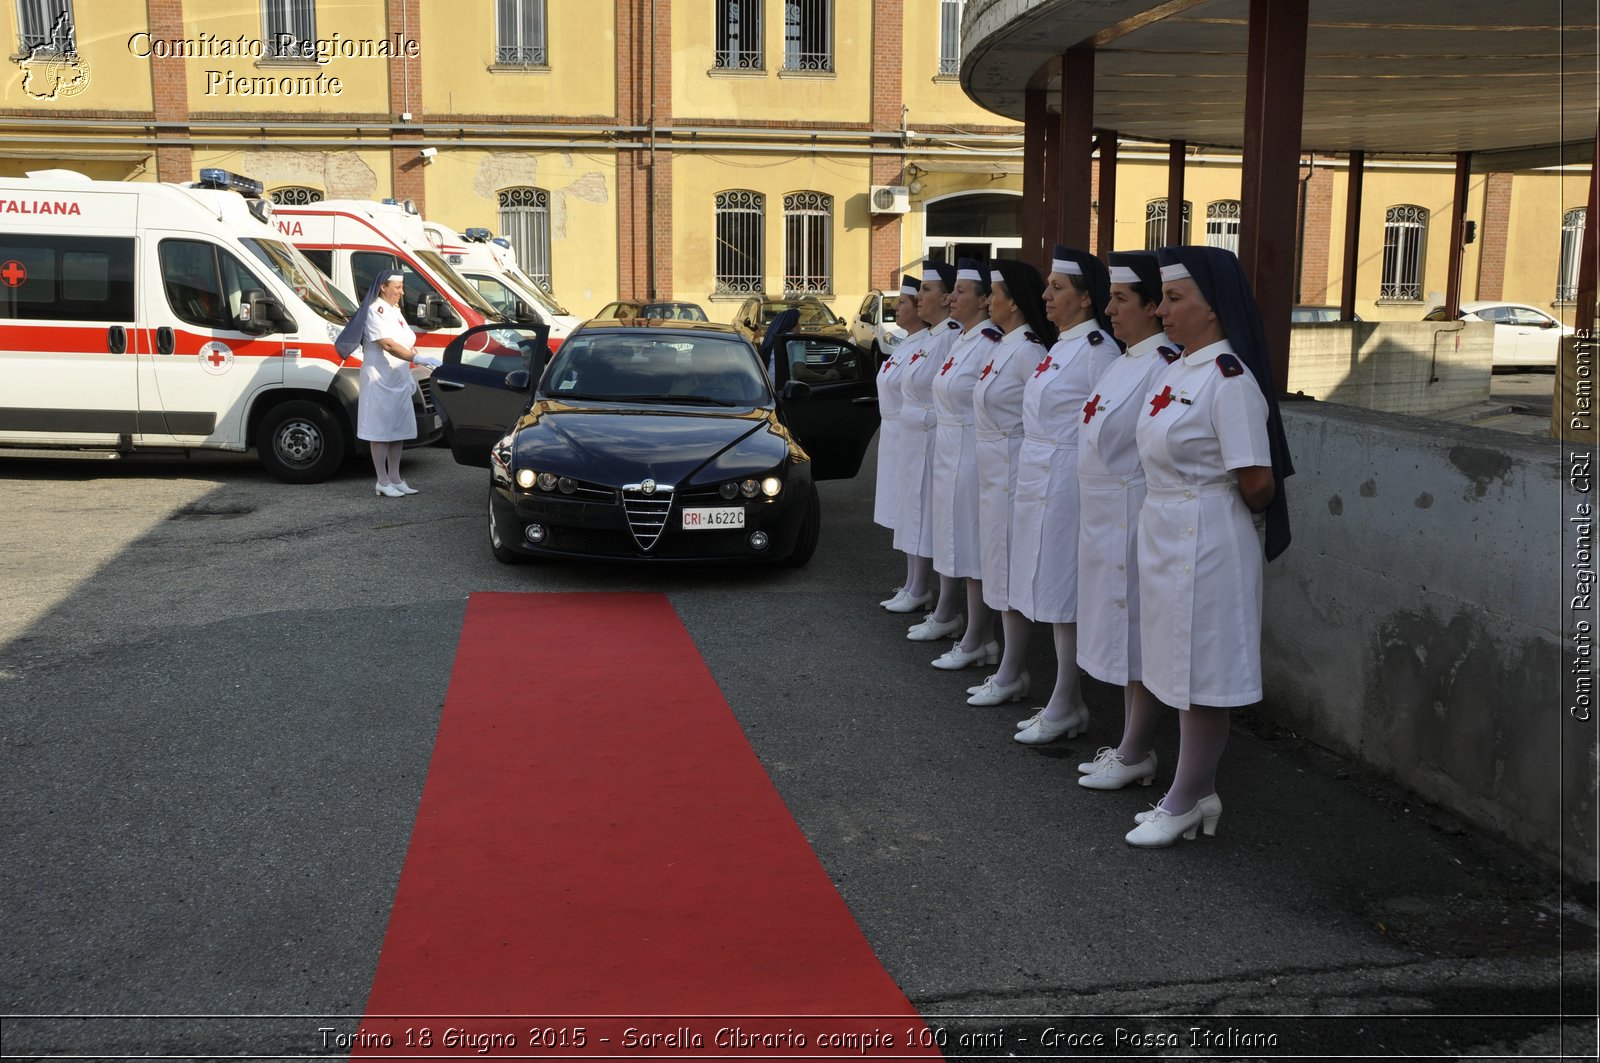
(650, 173)
(1300, 241)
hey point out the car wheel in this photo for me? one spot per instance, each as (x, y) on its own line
(810, 532)
(300, 442)
(497, 542)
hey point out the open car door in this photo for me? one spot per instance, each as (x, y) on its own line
(471, 387)
(836, 419)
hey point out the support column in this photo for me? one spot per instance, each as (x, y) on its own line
(1035, 115)
(1583, 320)
(1106, 196)
(406, 165)
(885, 234)
(1458, 214)
(1077, 143)
(169, 88)
(1175, 154)
(1050, 217)
(1274, 101)
(1352, 235)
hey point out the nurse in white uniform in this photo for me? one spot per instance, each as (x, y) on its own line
(1044, 528)
(955, 464)
(1016, 306)
(1213, 451)
(913, 530)
(1110, 494)
(886, 499)
(384, 414)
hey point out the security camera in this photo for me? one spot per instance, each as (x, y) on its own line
(428, 153)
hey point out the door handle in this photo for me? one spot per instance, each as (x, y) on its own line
(117, 339)
(165, 343)
(448, 385)
(865, 400)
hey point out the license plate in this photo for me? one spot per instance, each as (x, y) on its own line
(710, 518)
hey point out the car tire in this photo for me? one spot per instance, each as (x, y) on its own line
(810, 532)
(497, 544)
(300, 442)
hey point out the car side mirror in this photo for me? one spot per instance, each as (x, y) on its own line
(866, 319)
(518, 380)
(1547, 323)
(260, 313)
(796, 391)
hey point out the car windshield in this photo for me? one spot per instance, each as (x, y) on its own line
(641, 367)
(307, 281)
(810, 313)
(679, 311)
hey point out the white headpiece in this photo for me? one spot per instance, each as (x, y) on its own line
(1175, 272)
(1124, 275)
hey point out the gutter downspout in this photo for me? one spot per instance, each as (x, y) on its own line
(650, 173)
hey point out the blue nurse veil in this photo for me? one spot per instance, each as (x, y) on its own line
(350, 337)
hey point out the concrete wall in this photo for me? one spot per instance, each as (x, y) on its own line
(1416, 621)
(1415, 367)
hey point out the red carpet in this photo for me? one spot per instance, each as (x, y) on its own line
(598, 848)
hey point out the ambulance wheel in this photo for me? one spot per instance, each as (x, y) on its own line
(300, 442)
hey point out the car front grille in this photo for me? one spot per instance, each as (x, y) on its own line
(647, 512)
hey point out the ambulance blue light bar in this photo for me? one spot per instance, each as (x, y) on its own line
(478, 234)
(409, 206)
(213, 177)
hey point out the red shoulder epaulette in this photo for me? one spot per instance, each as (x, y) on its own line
(992, 334)
(1030, 337)
(952, 323)
(1229, 365)
(1168, 353)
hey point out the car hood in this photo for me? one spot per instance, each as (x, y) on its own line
(614, 446)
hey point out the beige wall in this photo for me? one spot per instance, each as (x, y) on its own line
(1533, 253)
(696, 179)
(458, 53)
(107, 77)
(930, 99)
(698, 91)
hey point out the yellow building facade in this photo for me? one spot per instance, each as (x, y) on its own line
(696, 151)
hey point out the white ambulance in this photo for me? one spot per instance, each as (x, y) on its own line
(490, 265)
(162, 317)
(353, 241)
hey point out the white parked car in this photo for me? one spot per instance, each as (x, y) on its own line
(1524, 336)
(873, 326)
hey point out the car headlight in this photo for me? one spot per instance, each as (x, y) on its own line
(890, 340)
(525, 478)
(750, 488)
(547, 481)
(771, 486)
(729, 490)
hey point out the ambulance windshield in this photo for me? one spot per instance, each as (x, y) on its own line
(308, 282)
(459, 285)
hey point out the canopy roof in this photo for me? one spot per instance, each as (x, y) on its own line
(1412, 77)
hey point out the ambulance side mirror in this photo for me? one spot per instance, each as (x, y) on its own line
(260, 313)
(522, 313)
(433, 312)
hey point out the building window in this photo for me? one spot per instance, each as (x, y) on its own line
(740, 218)
(1222, 224)
(1572, 223)
(290, 28)
(739, 35)
(295, 195)
(1405, 230)
(520, 30)
(808, 35)
(46, 27)
(1155, 224)
(807, 244)
(525, 220)
(950, 37)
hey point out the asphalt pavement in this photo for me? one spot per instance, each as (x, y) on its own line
(220, 695)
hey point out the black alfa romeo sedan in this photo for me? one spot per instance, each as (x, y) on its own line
(655, 440)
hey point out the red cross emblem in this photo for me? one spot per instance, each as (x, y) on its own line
(216, 358)
(919, 354)
(987, 370)
(13, 273)
(887, 366)
(1161, 401)
(1091, 408)
(947, 365)
(1038, 370)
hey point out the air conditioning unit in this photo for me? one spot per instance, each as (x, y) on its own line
(890, 199)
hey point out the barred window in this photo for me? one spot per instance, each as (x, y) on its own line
(1222, 224)
(741, 216)
(289, 28)
(520, 33)
(950, 37)
(46, 26)
(1572, 223)
(1405, 231)
(1155, 224)
(295, 195)
(807, 244)
(739, 35)
(525, 220)
(808, 35)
